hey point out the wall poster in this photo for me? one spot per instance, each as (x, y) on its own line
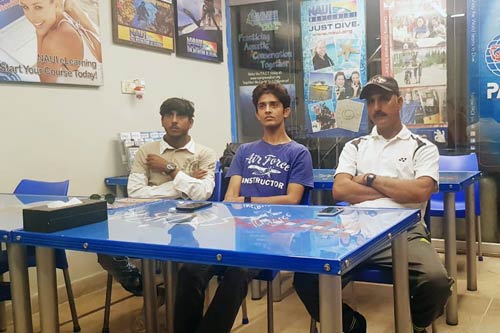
(144, 23)
(483, 118)
(59, 44)
(413, 38)
(199, 29)
(264, 51)
(334, 60)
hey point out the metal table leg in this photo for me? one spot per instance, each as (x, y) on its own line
(450, 249)
(276, 285)
(3, 312)
(330, 303)
(402, 314)
(169, 278)
(470, 237)
(255, 289)
(149, 291)
(47, 289)
(19, 288)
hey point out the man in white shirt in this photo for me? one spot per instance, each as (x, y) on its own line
(390, 168)
(173, 168)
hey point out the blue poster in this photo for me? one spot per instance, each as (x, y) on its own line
(483, 121)
(334, 60)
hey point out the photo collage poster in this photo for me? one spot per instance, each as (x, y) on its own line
(144, 23)
(265, 53)
(61, 45)
(199, 29)
(334, 60)
(413, 39)
(483, 118)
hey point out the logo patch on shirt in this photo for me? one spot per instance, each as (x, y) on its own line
(261, 171)
(402, 159)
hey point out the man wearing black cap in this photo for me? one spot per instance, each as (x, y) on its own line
(390, 168)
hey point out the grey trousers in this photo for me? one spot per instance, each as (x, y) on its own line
(430, 285)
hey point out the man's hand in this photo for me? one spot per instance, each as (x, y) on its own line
(360, 179)
(234, 199)
(156, 163)
(198, 173)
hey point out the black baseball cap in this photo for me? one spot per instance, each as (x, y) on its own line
(387, 83)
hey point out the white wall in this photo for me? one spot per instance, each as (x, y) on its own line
(60, 132)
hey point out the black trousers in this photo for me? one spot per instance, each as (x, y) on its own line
(430, 285)
(190, 295)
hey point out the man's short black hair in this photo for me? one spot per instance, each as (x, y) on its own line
(182, 106)
(274, 88)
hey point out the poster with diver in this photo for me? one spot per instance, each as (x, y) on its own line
(50, 41)
(144, 23)
(413, 40)
(199, 29)
(483, 112)
(334, 60)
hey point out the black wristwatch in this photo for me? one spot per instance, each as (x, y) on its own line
(370, 178)
(248, 199)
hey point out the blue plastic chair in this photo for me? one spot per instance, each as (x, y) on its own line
(217, 193)
(35, 187)
(459, 163)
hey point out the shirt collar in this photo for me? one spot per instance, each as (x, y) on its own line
(190, 146)
(404, 134)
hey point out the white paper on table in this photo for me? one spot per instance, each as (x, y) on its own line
(348, 114)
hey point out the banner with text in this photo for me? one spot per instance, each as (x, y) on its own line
(334, 60)
(484, 81)
(413, 40)
(59, 44)
(199, 30)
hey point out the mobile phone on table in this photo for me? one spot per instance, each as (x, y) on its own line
(330, 211)
(192, 206)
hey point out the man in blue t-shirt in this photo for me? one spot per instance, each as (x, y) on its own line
(273, 170)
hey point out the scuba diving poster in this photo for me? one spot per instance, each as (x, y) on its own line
(483, 112)
(144, 23)
(413, 40)
(50, 41)
(199, 29)
(334, 60)
(264, 48)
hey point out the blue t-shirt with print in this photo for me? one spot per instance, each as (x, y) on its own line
(266, 169)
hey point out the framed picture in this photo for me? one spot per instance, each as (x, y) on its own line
(199, 29)
(144, 23)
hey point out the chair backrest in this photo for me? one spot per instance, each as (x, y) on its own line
(460, 163)
(37, 187)
(217, 194)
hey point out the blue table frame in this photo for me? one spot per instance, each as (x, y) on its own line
(263, 236)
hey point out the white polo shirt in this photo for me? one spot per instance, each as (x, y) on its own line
(406, 156)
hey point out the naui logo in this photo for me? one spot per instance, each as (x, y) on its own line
(267, 20)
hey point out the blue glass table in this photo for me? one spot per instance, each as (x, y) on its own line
(451, 183)
(276, 237)
(118, 184)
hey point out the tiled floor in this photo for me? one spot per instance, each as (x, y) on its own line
(478, 311)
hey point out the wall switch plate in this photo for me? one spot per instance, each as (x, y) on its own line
(128, 86)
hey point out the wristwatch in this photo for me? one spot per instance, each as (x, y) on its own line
(370, 178)
(170, 167)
